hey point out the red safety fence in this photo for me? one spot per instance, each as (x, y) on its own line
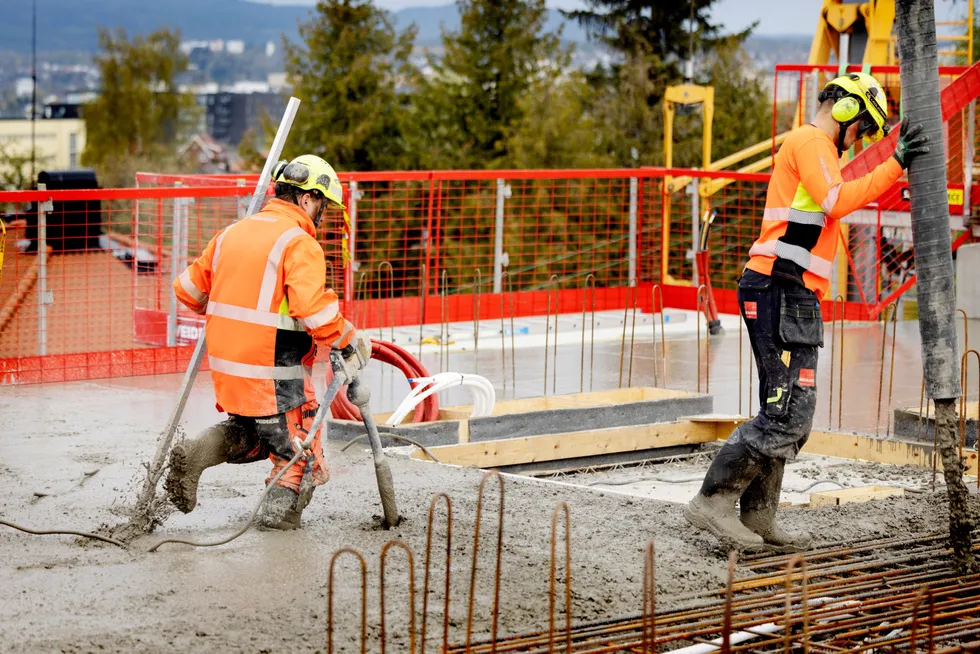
(426, 245)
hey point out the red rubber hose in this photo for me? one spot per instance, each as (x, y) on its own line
(393, 355)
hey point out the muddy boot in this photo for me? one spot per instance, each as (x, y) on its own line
(759, 504)
(224, 442)
(281, 510)
(734, 468)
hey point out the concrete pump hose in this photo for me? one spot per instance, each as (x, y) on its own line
(389, 353)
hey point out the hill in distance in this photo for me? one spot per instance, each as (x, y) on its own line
(72, 25)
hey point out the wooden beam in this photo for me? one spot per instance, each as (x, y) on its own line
(513, 451)
(849, 495)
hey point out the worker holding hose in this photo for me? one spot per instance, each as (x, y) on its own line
(779, 294)
(261, 284)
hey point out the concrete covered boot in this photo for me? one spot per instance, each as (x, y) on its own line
(732, 471)
(282, 509)
(224, 442)
(759, 504)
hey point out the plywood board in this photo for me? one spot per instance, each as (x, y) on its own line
(514, 451)
(849, 495)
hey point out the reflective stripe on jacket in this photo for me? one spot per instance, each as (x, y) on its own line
(805, 201)
(261, 284)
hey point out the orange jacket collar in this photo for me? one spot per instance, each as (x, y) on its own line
(282, 209)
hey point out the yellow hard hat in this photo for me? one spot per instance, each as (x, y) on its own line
(311, 173)
(859, 98)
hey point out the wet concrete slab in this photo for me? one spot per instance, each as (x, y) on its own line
(69, 455)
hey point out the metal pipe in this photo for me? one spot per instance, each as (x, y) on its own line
(43, 295)
(629, 378)
(476, 322)
(633, 230)
(562, 507)
(421, 307)
(330, 592)
(547, 330)
(585, 299)
(444, 327)
(881, 374)
(476, 550)
(658, 292)
(411, 591)
(503, 192)
(428, 552)
(649, 600)
(840, 379)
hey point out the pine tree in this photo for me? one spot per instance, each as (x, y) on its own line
(140, 117)
(346, 72)
(655, 28)
(466, 108)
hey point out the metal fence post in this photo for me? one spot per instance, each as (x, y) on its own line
(44, 296)
(355, 195)
(499, 257)
(968, 164)
(634, 233)
(176, 238)
(692, 188)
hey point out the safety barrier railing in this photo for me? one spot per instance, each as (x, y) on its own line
(425, 245)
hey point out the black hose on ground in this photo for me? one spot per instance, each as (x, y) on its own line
(62, 532)
(919, 61)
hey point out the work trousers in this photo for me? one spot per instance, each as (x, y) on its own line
(275, 437)
(785, 329)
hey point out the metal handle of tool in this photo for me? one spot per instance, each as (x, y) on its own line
(156, 466)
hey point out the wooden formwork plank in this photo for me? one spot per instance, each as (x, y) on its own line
(849, 495)
(853, 446)
(513, 451)
(570, 401)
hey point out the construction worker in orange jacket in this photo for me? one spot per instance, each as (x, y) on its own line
(779, 294)
(261, 284)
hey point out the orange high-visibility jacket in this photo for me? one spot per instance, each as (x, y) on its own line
(261, 282)
(806, 200)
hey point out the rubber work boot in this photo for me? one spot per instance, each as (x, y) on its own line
(281, 510)
(759, 503)
(220, 443)
(713, 509)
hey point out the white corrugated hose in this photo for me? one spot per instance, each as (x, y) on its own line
(484, 396)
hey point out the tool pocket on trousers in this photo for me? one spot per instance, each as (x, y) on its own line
(779, 388)
(800, 321)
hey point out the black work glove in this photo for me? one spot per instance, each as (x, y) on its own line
(911, 143)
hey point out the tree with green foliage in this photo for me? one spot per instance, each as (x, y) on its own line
(140, 118)
(15, 168)
(743, 105)
(346, 71)
(662, 29)
(466, 108)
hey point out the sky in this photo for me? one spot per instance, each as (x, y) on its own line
(774, 16)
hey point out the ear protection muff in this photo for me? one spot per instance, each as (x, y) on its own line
(846, 109)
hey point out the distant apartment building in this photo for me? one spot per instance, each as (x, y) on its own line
(230, 114)
(58, 141)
